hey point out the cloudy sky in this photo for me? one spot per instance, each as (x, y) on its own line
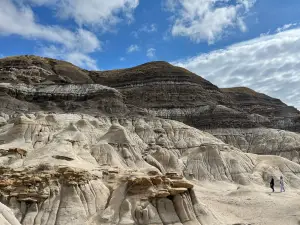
(254, 43)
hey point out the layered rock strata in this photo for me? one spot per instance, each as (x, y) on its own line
(92, 98)
(157, 88)
(98, 147)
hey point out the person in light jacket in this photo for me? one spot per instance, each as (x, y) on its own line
(281, 182)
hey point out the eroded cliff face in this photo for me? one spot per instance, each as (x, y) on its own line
(175, 93)
(57, 168)
(156, 88)
(88, 98)
(86, 147)
(272, 112)
(262, 141)
(36, 70)
(61, 168)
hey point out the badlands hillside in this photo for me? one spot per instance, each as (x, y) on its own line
(149, 145)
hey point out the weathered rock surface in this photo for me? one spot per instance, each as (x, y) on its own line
(90, 98)
(38, 70)
(7, 217)
(156, 88)
(88, 147)
(175, 93)
(58, 168)
(269, 111)
(262, 141)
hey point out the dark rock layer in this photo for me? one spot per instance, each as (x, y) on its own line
(155, 88)
(279, 114)
(88, 98)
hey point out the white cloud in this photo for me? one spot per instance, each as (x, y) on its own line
(77, 58)
(206, 20)
(149, 28)
(151, 52)
(268, 64)
(97, 13)
(82, 60)
(146, 28)
(87, 41)
(170, 5)
(286, 27)
(20, 20)
(133, 48)
(122, 59)
(17, 18)
(39, 2)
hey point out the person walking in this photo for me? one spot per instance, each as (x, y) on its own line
(272, 184)
(282, 189)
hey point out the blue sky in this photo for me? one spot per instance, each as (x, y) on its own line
(254, 43)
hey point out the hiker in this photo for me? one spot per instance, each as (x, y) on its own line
(272, 184)
(282, 189)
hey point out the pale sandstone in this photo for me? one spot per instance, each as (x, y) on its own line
(79, 169)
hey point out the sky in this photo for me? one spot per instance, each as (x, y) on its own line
(253, 43)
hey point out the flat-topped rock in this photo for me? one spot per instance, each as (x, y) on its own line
(152, 186)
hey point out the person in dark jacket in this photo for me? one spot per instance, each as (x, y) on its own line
(272, 184)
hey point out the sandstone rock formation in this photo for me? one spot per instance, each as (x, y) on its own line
(262, 141)
(114, 147)
(7, 217)
(119, 170)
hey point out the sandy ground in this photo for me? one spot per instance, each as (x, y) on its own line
(255, 205)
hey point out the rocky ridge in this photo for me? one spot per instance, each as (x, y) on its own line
(156, 88)
(104, 147)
